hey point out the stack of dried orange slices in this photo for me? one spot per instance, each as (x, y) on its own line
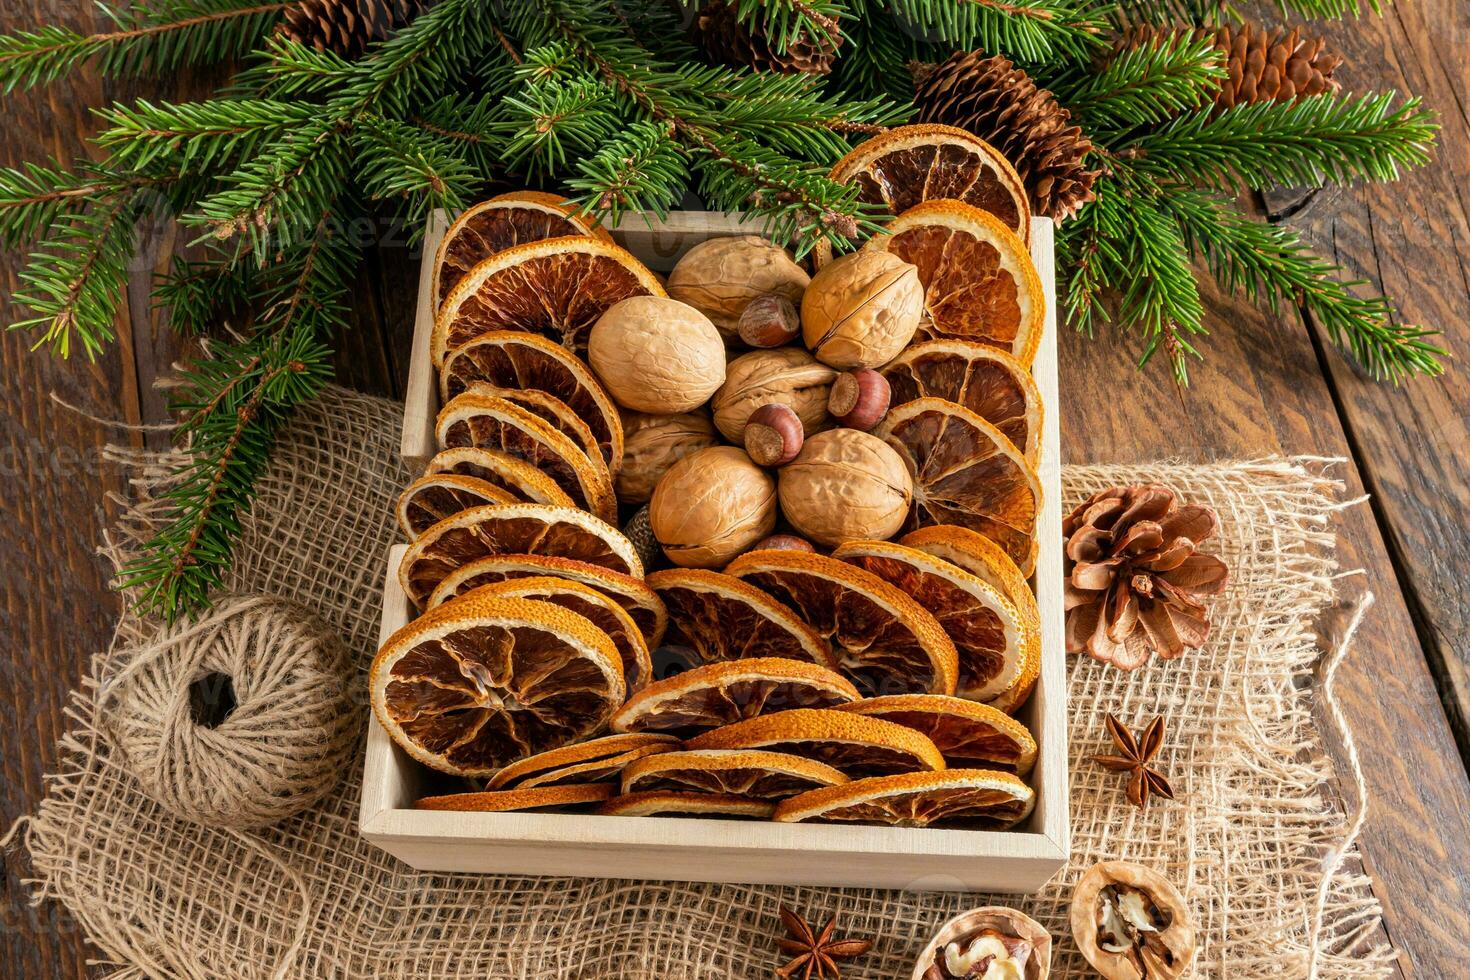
(877, 682)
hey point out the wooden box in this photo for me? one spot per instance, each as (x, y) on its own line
(688, 849)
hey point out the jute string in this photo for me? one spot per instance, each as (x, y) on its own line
(1256, 841)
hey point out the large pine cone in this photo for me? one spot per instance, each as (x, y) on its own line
(1134, 577)
(347, 26)
(1263, 65)
(729, 42)
(999, 102)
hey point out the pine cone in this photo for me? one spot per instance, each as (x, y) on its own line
(1000, 103)
(728, 42)
(1263, 65)
(1134, 577)
(639, 530)
(347, 26)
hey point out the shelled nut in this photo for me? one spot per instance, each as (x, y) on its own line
(1131, 923)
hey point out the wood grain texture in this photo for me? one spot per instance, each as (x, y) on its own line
(1412, 239)
(1262, 391)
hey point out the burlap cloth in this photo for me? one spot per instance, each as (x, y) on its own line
(1256, 841)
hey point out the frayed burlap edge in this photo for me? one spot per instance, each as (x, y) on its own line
(1263, 853)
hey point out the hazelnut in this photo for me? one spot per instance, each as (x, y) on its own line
(788, 375)
(719, 277)
(859, 399)
(846, 485)
(711, 506)
(1130, 922)
(1018, 943)
(783, 542)
(862, 309)
(773, 435)
(653, 443)
(769, 321)
(657, 355)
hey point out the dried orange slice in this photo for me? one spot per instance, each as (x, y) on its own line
(551, 410)
(517, 799)
(979, 281)
(908, 165)
(568, 757)
(855, 745)
(966, 473)
(493, 423)
(596, 607)
(992, 641)
(483, 681)
(511, 529)
(513, 360)
(517, 477)
(967, 734)
(974, 798)
(557, 288)
(737, 772)
(637, 599)
(989, 382)
(430, 499)
(661, 804)
(883, 640)
(502, 222)
(720, 693)
(985, 559)
(718, 617)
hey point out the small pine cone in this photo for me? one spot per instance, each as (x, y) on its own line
(639, 531)
(1134, 576)
(728, 42)
(999, 102)
(347, 27)
(1262, 65)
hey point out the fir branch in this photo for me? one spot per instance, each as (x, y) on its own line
(290, 70)
(1270, 263)
(1027, 30)
(1303, 143)
(196, 295)
(395, 161)
(784, 21)
(75, 286)
(1144, 85)
(162, 36)
(34, 197)
(554, 121)
(197, 137)
(641, 170)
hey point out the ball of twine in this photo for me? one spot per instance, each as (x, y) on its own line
(239, 718)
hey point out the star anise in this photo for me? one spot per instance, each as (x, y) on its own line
(816, 953)
(1134, 756)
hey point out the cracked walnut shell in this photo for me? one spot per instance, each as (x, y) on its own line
(711, 506)
(1131, 923)
(657, 355)
(846, 485)
(785, 376)
(720, 277)
(1020, 944)
(862, 309)
(653, 443)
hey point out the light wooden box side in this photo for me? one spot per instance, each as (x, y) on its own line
(1020, 860)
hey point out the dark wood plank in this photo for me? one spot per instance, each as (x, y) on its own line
(1412, 239)
(55, 608)
(1261, 392)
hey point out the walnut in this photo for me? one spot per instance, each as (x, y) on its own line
(657, 355)
(862, 309)
(653, 443)
(720, 276)
(846, 485)
(985, 942)
(1131, 923)
(786, 376)
(711, 506)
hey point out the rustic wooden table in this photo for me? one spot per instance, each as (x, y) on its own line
(1272, 384)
